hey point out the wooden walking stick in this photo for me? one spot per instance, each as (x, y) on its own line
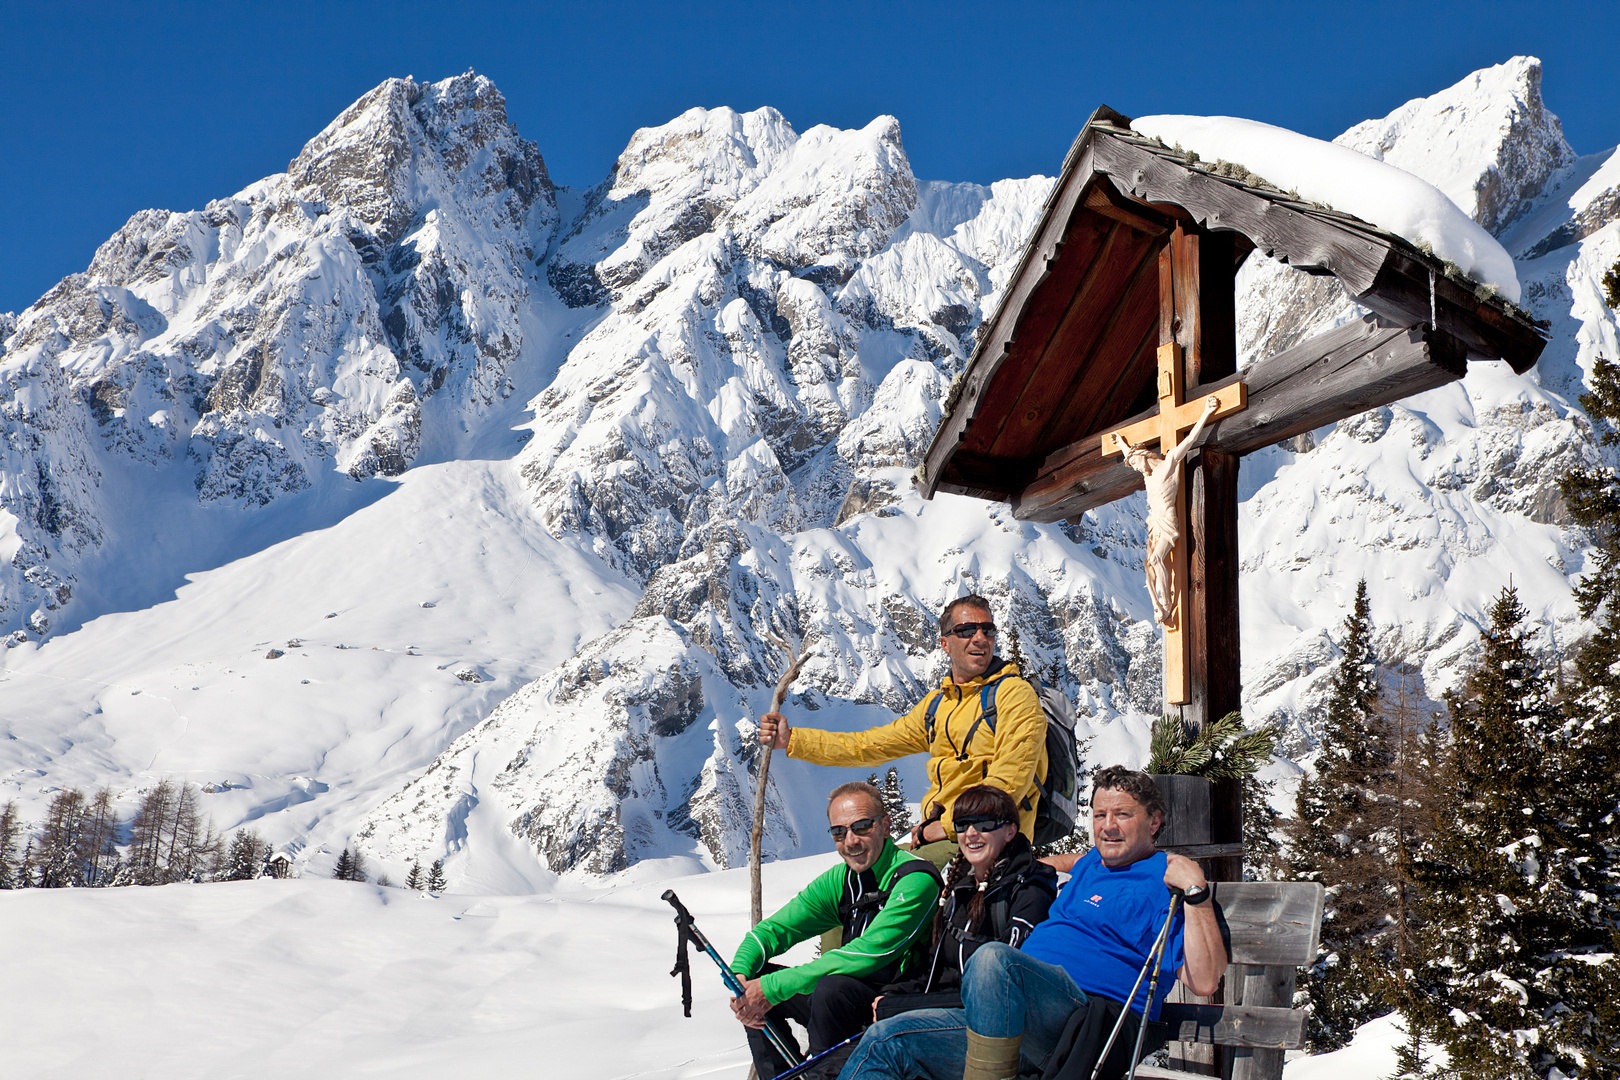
(796, 661)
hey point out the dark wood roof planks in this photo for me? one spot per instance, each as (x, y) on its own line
(1071, 350)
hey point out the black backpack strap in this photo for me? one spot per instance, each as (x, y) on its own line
(928, 717)
(987, 716)
(916, 866)
(878, 897)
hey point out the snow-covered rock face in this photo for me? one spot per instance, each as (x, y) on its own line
(596, 764)
(754, 307)
(293, 329)
(1488, 142)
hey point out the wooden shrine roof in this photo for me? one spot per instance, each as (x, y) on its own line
(1071, 350)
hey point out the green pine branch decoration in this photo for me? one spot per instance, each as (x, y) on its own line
(1220, 751)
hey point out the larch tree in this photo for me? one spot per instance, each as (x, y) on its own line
(58, 847)
(97, 855)
(10, 829)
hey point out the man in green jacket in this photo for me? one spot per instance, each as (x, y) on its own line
(882, 898)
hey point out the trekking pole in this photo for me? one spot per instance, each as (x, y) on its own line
(796, 659)
(687, 930)
(812, 1062)
(1154, 959)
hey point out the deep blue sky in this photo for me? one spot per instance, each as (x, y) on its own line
(108, 109)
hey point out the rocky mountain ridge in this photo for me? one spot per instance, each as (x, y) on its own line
(738, 346)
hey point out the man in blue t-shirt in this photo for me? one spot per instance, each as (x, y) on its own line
(1085, 956)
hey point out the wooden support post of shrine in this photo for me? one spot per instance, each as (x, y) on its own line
(1197, 310)
(1203, 321)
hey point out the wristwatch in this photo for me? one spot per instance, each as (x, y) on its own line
(1195, 895)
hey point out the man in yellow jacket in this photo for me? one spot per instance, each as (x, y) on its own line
(949, 725)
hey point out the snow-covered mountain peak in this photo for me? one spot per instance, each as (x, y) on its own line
(370, 160)
(1488, 142)
(718, 152)
(836, 198)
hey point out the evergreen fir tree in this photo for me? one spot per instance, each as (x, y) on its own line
(244, 858)
(10, 828)
(414, 879)
(1513, 973)
(25, 866)
(1262, 851)
(436, 882)
(894, 804)
(345, 867)
(1340, 837)
(1015, 653)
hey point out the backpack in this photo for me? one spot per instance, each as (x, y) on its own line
(1060, 800)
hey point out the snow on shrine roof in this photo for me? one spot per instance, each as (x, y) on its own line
(1346, 180)
(1070, 351)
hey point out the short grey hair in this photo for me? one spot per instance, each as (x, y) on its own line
(873, 796)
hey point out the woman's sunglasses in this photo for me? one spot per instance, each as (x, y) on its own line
(860, 828)
(982, 824)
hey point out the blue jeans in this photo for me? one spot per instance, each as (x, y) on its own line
(1004, 993)
(924, 1044)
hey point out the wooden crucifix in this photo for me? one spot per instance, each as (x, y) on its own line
(1197, 344)
(1164, 478)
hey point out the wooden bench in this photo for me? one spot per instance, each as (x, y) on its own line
(1271, 930)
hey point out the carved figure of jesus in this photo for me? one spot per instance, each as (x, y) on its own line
(1160, 475)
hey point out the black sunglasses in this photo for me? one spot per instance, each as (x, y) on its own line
(968, 629)
(862, 827)
(983, 824)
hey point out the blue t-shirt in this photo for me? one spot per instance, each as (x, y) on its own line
(1102, 926)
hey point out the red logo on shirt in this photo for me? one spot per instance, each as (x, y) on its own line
(1095, 900)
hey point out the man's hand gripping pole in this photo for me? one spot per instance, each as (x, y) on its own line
(686, 930)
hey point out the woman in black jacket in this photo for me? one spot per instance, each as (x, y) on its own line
(995, 890)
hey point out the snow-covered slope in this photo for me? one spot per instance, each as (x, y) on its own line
(613, 436)
(261, 980)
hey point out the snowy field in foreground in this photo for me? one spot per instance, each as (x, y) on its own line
(286, 978)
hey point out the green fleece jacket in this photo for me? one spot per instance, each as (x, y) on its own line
(898, 930)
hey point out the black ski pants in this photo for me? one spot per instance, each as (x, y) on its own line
(839, 1006)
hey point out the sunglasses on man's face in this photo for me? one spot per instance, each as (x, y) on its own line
(982, 824)
(862, 827)
(968, 629)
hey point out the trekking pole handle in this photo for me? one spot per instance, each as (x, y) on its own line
(683, 919)
(674, 901)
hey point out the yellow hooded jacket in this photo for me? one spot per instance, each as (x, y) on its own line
(1011, 758)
